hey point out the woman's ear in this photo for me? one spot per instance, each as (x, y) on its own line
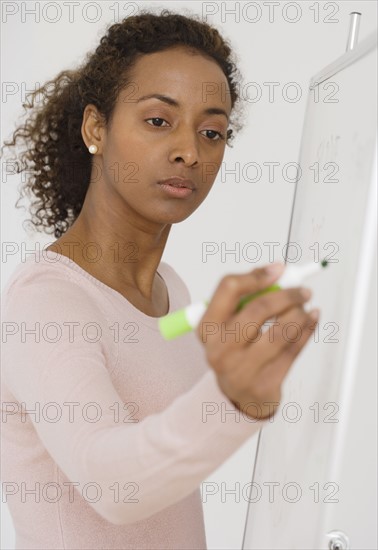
(92, 128)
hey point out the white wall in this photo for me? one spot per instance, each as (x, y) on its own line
(288, 45)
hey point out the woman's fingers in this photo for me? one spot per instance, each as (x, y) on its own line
(283, 340)
(246, 325)
(256, 382)
(273, 372)
(227, 296)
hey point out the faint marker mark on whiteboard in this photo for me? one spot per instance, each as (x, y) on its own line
(328, 149)
(317, 226)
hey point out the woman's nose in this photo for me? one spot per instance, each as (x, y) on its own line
(184, 147)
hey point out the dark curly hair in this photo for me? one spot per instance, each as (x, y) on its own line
(56, 157)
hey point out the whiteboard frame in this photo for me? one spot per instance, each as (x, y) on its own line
(345, 60)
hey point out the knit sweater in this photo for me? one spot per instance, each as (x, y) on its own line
(108, 430)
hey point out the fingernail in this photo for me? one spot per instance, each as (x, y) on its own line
(274, 269)
(306, 293)
(314, 314)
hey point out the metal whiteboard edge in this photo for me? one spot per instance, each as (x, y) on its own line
(300, 156)
(253, 478)
(345, 60)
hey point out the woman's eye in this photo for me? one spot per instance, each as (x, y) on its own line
(220, 135)
(155, 118)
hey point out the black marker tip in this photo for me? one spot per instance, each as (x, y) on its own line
(324, 263)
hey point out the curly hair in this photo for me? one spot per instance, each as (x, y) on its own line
(56, 159)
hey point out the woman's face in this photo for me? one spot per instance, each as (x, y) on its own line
(150, 140)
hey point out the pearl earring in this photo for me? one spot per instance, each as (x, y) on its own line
(93, 149)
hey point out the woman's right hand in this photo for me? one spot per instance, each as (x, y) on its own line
(250, 373)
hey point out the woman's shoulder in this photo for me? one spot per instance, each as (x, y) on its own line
(38, 278)
(37, 267)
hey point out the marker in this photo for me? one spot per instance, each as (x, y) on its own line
(184, 320)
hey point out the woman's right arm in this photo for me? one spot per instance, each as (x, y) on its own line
(140, 467)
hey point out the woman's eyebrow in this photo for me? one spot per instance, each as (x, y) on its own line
(174, 103)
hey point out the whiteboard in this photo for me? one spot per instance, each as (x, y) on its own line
(315, 469)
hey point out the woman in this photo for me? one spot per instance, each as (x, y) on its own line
(113, 428)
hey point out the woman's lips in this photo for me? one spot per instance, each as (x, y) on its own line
(177, 181)
(178, 192)
(177, 187)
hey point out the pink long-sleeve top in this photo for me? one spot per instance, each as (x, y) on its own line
(107, 429)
